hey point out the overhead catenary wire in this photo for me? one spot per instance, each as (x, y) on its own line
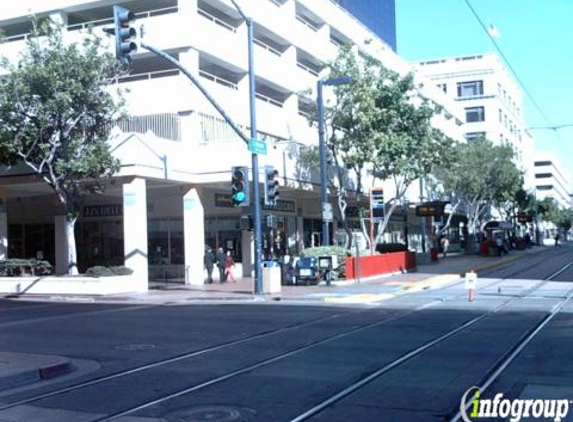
(550, 125)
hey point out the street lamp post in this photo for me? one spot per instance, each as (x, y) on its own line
(322, 149)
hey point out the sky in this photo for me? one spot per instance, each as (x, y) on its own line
(536, 36)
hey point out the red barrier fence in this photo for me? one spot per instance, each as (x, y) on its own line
(381, 264)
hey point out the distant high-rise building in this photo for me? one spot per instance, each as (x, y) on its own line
(491, 99)
(378, 15)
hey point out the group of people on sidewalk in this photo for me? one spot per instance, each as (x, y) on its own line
(225, 264)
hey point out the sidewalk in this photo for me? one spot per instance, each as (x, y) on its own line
(367, 291)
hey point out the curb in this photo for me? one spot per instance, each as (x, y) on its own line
(23, 369)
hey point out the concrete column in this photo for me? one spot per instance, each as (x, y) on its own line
(299, 235)
(61, 237)
(248, 252)
(3, 226)
(194, 237)
(135, 229)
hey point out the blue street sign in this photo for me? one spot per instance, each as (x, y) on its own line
(256, 146)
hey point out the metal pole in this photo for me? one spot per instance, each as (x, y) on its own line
(255, 160)
(200, 87)
(322, 152)
(422, 219)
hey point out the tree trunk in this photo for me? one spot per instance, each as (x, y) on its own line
(72, 253)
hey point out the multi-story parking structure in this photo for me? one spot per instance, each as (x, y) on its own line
(176, 152)
(551, 179)
(490, 98)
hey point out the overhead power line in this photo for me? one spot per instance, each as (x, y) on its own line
(550, 125)
(555, 128)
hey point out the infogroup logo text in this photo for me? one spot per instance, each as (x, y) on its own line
(498, 407)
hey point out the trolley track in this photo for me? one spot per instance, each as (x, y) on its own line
(234, 373)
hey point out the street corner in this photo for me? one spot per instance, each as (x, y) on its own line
(21, 368)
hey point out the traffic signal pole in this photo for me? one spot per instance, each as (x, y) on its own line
(257, 228)
(255, 160)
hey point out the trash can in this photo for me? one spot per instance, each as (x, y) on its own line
(271, 277)
(434, 254)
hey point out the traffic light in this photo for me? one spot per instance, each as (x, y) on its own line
(124, 34)
(240, 186)
(271, 185)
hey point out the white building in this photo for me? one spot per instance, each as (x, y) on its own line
(176, 151)
(490, 98)
(552, 179)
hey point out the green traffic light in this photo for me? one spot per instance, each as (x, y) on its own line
(240, 197)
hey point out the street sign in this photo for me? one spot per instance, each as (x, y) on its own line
(377, 204)
(431, 209)
(256, 146)
(327, 212)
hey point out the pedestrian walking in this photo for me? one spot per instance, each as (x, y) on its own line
(221, 265)
(229, 266)
(557, 245)
(500, 246)
(209, 262)
(445, 243)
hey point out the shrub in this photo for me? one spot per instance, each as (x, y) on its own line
(21, 267)
(101, 271)
(121, 270)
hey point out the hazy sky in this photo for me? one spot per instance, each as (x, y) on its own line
(536, 36)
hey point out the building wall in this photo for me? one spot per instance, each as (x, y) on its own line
(491, 101)
(552, 180)
(176, 140)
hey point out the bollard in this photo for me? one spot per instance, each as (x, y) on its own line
(471, 284)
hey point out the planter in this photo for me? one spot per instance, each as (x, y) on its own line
(372, 265)
(72, 285)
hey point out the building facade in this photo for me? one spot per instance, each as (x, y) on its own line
(172, 193)
(552, 180)
(491, 101)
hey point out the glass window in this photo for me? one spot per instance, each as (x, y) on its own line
(472, 136)
(475, 114)
(470, 89)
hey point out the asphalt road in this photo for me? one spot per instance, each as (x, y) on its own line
(410, 358)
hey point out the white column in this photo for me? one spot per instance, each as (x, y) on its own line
(3, 226)
(61, 237)
(194, 237)
(135, 230)
(248, 252)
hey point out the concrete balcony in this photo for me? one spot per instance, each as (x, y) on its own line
(315, 42)
(304, 78)
(273, 65)
(210, 35)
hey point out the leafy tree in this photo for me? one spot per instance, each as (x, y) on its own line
(566, 220)
(378, 126)
(481, 176)
(548, 210)
(56, 115)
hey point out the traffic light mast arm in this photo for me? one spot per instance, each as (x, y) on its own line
(179, 66)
